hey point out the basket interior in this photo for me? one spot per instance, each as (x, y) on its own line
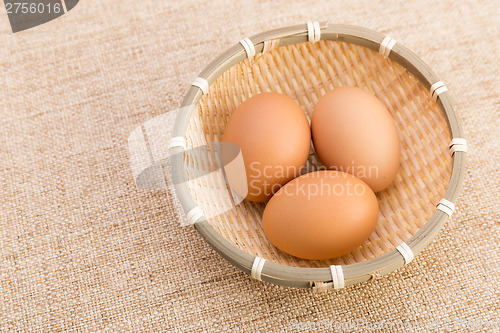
(305, 72)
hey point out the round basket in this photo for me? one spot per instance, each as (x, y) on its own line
(304, 62)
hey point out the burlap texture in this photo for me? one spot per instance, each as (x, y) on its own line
(82, 249)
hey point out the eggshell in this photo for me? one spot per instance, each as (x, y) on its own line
(354, 132)
(274, 136)
(321, 215)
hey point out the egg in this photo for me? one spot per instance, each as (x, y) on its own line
(321, 215)
(353, 132)
(274, 136)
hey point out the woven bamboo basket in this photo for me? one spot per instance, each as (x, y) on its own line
(304, 62)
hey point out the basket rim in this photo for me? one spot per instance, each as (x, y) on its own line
(301, 277)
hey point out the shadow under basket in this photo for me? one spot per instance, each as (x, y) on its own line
(305, 62)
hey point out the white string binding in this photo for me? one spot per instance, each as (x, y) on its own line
(177, 141)
(310, 31)
(201, 83)
(446, 207)
(257, 266)
(458, 144)
(317, 31)
(249, 47)
(194, 214)
(313, 31)
(406, 252)
(437, 89)
(386, 46)
(337, 276)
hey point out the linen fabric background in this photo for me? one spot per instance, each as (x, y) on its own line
(83, 249)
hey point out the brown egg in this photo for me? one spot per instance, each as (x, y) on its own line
(354, 132)
(274, 136)
(321, 215)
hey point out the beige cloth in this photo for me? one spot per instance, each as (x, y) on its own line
(82, 249)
